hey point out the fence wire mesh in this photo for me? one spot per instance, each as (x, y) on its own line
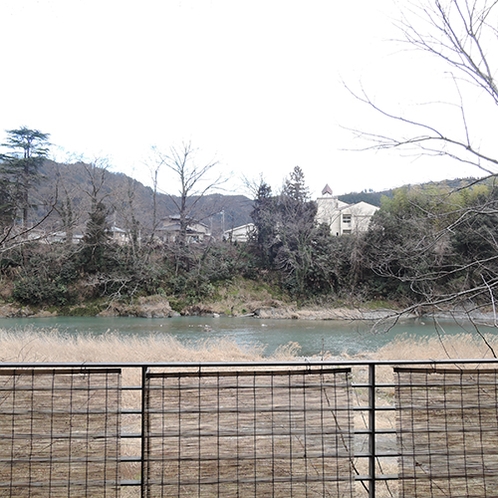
(447, 432)
(252, 429)
(251, 433)
(59, 432)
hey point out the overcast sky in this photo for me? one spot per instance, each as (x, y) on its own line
(257, 85)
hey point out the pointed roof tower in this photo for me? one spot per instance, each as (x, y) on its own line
(327, 190)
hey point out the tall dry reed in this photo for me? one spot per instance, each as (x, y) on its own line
(444, 346)
(29, 345)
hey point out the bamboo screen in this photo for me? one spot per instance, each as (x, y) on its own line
(447, 432)
(259, 433)
(59, 432)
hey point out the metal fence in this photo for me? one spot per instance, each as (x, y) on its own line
(299, 429)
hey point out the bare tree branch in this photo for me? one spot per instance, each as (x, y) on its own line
(462, 35)
(428, 141)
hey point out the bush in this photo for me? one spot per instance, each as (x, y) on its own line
(33, 290)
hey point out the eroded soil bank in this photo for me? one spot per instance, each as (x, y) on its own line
(159, 307)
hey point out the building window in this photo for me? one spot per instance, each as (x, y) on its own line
(346, 218)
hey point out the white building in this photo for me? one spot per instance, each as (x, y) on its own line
(343, 218)
(239, 234)
(170, 229)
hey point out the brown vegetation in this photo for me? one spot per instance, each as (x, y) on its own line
(52, 346)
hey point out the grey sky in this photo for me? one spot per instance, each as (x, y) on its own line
(257, 84)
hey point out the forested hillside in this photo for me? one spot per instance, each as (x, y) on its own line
(375, 198)
(432, 245)
(125, 196)
(74, 181)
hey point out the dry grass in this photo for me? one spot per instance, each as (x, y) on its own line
(459, 346)
(51, 346)
(31, 345)
(48, 424)
(406, 347)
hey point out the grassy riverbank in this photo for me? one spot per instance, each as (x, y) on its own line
(51, 346)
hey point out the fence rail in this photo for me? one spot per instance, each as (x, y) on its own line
(298, 429)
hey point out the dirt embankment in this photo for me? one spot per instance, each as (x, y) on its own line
(159, 307)
(143, 307)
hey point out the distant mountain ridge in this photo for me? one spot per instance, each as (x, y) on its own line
(374, 198)
(127, 198)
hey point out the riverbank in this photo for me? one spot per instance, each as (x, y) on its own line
(47, 345)
(159, 307)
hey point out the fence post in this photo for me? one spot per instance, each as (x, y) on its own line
(143, 431)
(371, 430)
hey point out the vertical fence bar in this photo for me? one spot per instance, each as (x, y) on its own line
(371, 430)
(143, 432)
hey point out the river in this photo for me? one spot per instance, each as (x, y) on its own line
(314, 336)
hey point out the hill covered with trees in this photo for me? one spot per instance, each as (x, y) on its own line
(428, 245)
(125, 197)
(375, 198)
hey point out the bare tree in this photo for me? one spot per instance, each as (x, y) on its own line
(462, 36)
(460, 245)
(195, 182)
(69, 214)
(154, 169)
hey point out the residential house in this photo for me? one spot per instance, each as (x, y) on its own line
(170, 229)
(49, 237)
(343, 218)
(119, 235)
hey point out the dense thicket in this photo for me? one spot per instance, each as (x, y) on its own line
(435, 246)
(427, 245)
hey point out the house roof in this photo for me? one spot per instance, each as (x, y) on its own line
(240, 229)
(174, 219)
(359, 208)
